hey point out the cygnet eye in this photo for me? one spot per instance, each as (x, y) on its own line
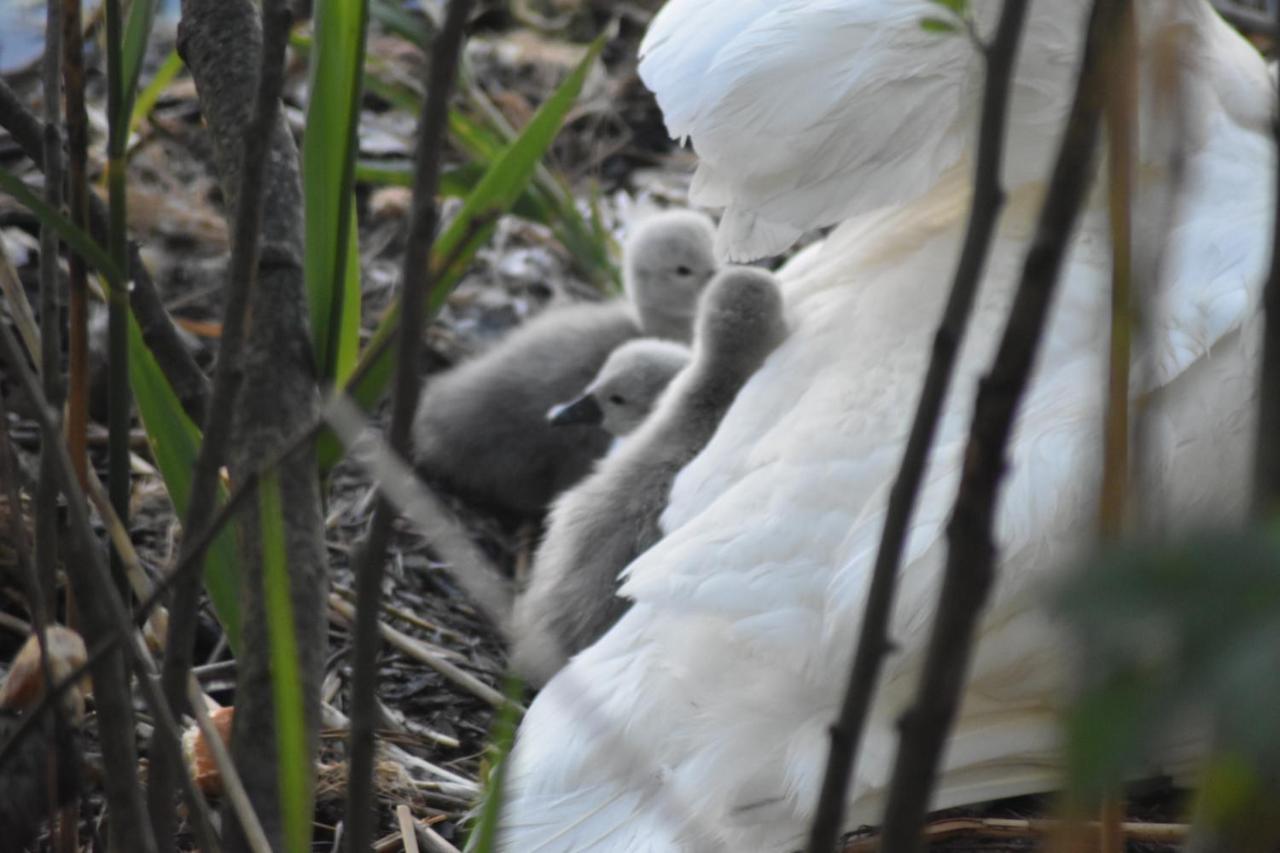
(683, 270)
(617, 399)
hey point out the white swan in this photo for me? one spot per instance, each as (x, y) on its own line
(699, 722)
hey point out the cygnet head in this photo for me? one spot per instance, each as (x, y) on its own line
(627, 387)
(669, 258)
(740, 321)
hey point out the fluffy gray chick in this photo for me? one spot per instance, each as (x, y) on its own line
(481, 427)
(627, 387)
(596, 529)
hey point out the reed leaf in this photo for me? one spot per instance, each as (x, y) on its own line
(75, 237)
(294, 759)
(493, 196)
(173, 438)
(175, 441)
(485, 834)
(328, 162)
(137, 31)
(150, 94)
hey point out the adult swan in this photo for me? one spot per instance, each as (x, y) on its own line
(700, 721)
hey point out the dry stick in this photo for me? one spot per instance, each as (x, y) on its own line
(404, 819)
(423, 653)
(231, 782)
(242, 275)
(1026, 830)
(1113, 505)
(110, 684)
(78, 310)
(44, 582)
(970, 565)
(42, 145)
(26, 566)
(1266, 465)
(416, 281)
(108, 619)
(48, 142)
(246, 489)
(397, 483)
(119, 398)
(432, 840)
(115, 711)
(873, 639)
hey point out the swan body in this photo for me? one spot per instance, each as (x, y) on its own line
(627, 387)
(602, 524)
(699, 721)
(481, 426)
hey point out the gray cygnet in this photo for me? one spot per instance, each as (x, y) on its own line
(627, 387)
(596, 529)
(481, 427)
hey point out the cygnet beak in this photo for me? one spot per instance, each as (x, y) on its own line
(584, 410)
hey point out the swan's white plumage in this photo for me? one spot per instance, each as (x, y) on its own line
(699, 722)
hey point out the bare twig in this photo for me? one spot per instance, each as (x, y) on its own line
(425, 653)
(873, 639)
(432, 840)
(1028, 830)
(26, 565)
(416, 282)
(232, 786)
(404, 819)
(119, 396)
(971, 554)
(44, 148)
(77, 196)
(106, 621)
(397, 483)
(1266, 474)
(127, 828)
(1113, 503)
(242, 276)
(48, 142)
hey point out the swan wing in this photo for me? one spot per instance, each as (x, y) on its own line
(807, 112)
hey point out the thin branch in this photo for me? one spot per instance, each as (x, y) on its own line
(242, 276)
(119, 396)
(397, 482)
(416, 283)
(1027, 830)
(27, 569)
(77, 196)
(1266, 467)
(107, 622)
(971, 554)
(873, 639)
(48, 141)
(1113, 503)
(231, 782)
(44, 148)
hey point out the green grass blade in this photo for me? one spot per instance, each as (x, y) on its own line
(458, 182)
(485, 834)
(137, 32)
(147, 98)
(497, 191)
(175, 441)
(295, 777)
(395, 18)
(328, 165)
(79, 240)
